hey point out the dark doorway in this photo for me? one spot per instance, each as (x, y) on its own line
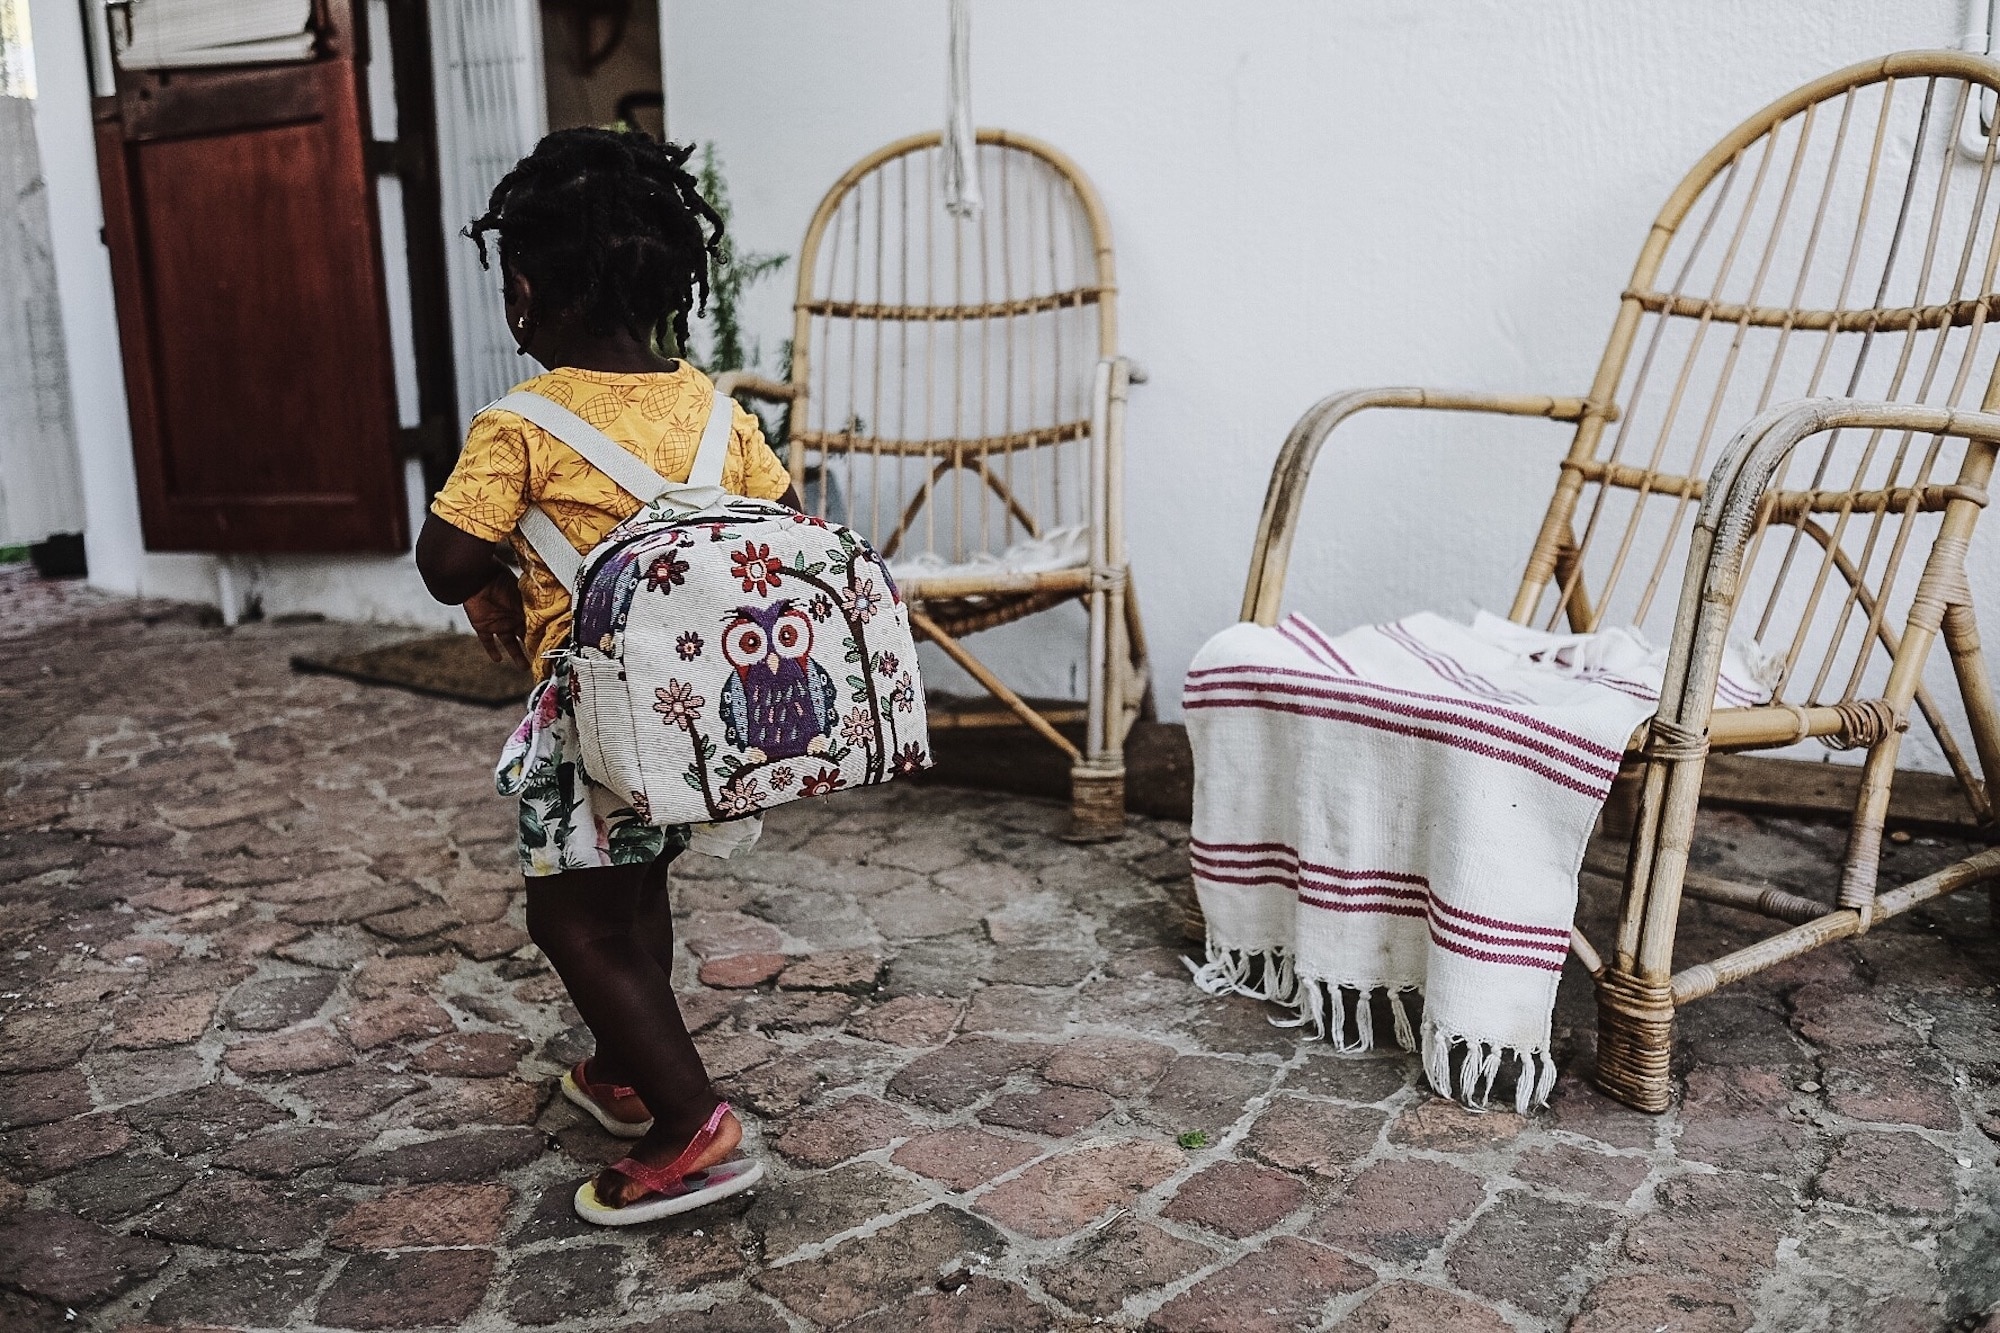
(601, 62)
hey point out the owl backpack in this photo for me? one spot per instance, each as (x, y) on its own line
(728, 654)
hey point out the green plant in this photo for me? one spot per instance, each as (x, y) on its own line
(778, 426)
(1193, 1139)
(13, 555)
(731, 274)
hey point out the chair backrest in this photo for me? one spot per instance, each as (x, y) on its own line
(1841, 242)
(944, 364)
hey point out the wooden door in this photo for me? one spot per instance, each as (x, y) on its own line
(241, 218)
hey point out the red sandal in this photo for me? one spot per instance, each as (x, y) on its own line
(596, 1098)
(672, 1188)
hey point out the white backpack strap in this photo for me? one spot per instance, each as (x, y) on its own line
(713, 454)
(550, 544)
(598, 449)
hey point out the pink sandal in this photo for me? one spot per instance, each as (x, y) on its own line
(596, 1098)
(672, 1188)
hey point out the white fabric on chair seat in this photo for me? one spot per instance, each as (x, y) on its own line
(1058, 548)
(1404, 808)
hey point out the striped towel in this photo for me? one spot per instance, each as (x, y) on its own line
(1404, 808)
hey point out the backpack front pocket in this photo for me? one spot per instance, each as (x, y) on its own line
(601, 697)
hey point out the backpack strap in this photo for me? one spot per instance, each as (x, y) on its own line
(550, 544)
(713, 455)
(599, 450)
(702, 489)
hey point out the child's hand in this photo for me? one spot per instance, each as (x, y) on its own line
(497, 618)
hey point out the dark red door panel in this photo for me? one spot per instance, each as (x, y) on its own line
(241, 216)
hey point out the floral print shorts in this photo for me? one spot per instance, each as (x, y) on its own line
(569, 822)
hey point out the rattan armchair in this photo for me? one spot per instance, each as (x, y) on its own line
(1827, 274)
(957, 396)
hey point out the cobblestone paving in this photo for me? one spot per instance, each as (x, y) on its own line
(275, 1052)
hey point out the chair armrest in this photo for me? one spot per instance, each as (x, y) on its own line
(1743, 473)
(1729, 514)
(1286, 493)
(736, 383)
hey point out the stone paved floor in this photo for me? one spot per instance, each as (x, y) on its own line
(274, 1053)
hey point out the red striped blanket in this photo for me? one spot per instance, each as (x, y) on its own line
(1404, 809)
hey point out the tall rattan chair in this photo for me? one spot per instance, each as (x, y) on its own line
(1827, 275)
(957, 396)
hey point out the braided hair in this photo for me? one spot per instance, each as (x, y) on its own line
(606, 226)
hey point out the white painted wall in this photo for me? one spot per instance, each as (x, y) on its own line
(83, 286)
(40, 492)
(1304, 197)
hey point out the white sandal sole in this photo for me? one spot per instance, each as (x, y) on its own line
(704, 1187)
(624, 1129)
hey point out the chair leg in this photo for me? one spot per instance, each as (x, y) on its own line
(1635, 1040)
(1097, 780)
(1096, 802)
(1635, 1001)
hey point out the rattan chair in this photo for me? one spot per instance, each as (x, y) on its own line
(1827, 275)
(957, 397)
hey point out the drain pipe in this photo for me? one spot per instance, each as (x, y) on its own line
(228, 597)
(1977, 127)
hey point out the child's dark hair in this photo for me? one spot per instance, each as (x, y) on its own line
(606, 227)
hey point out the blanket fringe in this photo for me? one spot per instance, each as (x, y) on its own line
(1405, 1037)
(1343, 1016)
(1262, 974)
(1479, 1066)
(1336, 1011)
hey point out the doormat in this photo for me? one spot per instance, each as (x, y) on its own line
(452, 666)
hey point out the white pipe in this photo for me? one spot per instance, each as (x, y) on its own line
(97, 18)
(1977, 127)
(961, 147)
(226, 594)
(1097, 715)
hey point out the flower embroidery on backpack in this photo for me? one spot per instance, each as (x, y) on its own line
(824, 782)
(781, 777)
(887, 663)
(904, 697)
(858, 728)
(820, 606)
(912, 759)
(667, 572)
(860, 600)
(678, 704)
(688, 645)
(754, 565)
(740, 795)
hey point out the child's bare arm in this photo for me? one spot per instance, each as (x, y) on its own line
(458, 568)
(454, 563)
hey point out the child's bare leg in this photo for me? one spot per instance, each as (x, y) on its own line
(654, 929)
(586, 922)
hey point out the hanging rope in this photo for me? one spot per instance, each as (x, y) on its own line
(961, 162)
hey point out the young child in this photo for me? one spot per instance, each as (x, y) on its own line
(604, 246)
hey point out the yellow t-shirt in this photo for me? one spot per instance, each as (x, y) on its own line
(510, 463)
